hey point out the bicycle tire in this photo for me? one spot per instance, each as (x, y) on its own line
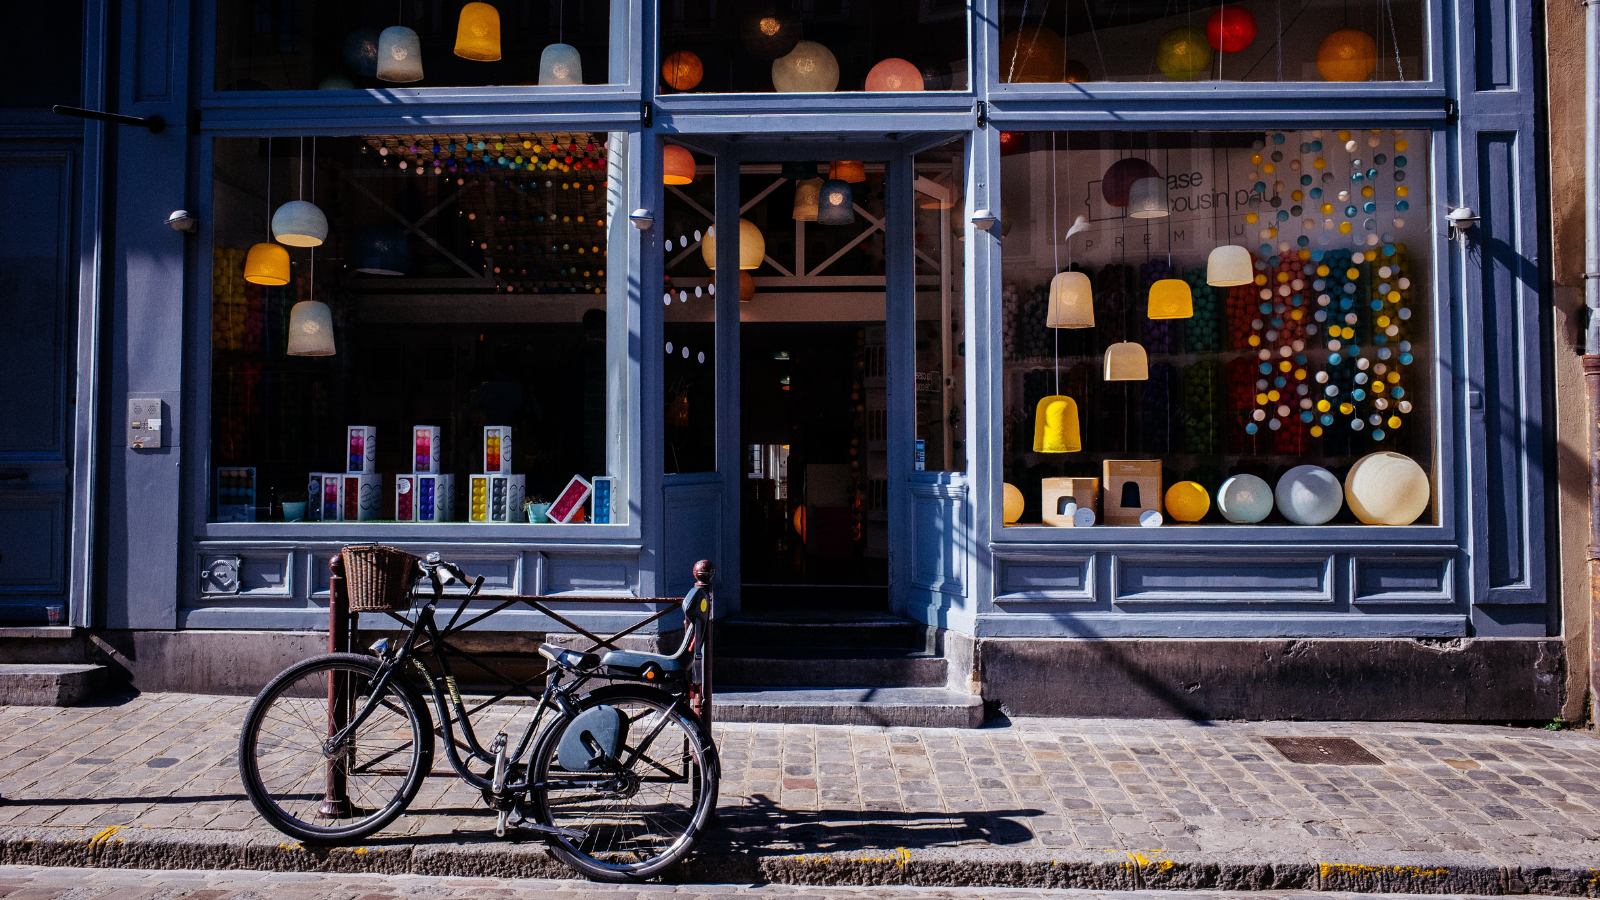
(620, 847)
(288, 723)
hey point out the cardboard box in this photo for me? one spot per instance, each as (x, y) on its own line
(362, 450)
(1056, 493)
(436, 498)
(363, 497)
(325, 497)
(1132, 486)
(497, 449)
(496, 499)
(425, 449)
(568, 504)
(405, 498)
(601, 512)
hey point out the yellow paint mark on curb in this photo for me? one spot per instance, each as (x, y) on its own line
(105, 835)
(1327, 870)
(1150, 858)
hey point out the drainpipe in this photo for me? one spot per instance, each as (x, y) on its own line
(1591, 301)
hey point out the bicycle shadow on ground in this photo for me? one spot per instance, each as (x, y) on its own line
(760, 825)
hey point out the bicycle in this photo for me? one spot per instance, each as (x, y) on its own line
(337, 746)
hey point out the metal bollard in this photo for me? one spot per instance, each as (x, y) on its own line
(335, 800)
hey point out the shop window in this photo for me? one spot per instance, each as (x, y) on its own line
(810, 46)
(941, 344)
(1222, 327)
(395, 318)
(298, 45)
(1253, 41)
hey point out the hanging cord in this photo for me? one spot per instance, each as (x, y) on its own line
(1168, 164)
(1089, 14)
(1394, 39)
(1280, 39)
(313, 171)
(300, 164)
(1014, 50)
(269, 187)
(1055, 245)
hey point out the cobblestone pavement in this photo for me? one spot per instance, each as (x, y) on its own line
(39, 883)
(1114, 790)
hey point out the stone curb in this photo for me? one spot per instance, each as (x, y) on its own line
(154, 848)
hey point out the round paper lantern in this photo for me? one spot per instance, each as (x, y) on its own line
(336, 83)
(1055, 426)
(747, 287)
(849, 171)
(300, 224)
(1077, 72)
(809, 68)
(399, 55)
(560, 64)
(894, 75)
(1032, 55)
(478, 33)
(770, 34)
(807, 195)
(752, 246)
(1244, 500)
(1071, 301)
(1183, 53)
(1309, 495)
(1386, 488)
(835, 203)
(1171, 298)
(1117, 183)
(1013, 504)
(1127, 361)
(361, 52)
(1231, 29)
(1013, 142)
(1187, 501)
(311, 329)
(382, 251)
(1229, 266)
(677, 165)
(682, 71)
(1348, 54)
(1147, 199)
(267, 263)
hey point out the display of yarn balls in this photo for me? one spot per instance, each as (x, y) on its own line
(1118, 180)
(1387, 488)
(1244, 500)
(1348, 54)
(682, 71)
(1231, 29)
(1187, 501)
(1309, 495)
(1013, 504)
(1183, 53)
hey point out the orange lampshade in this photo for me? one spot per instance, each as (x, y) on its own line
(747, 287)
(267, 263)
(1055, 426)
(1170, 298)
(478, 35)
(848, 171)
(677, 165)
(894, 75)
(682, 70)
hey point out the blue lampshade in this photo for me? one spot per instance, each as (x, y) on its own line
(835, 204)
(560, 64)
(382, 251)
(361, 52)
(399, 55)
(299, 224)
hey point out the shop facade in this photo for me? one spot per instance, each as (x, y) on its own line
(1001, 264)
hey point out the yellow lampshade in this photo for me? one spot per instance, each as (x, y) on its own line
(1170, 298)
(1071, 301)
(1127, 362)
(807, 194)
(267, 263)
(478, 33)
(677, 165)
(849, 171)
(752, 246)
(1013, 504)
(1055, 426)
(1229, 266)
(1188, 501)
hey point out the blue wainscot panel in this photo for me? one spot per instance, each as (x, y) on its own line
(1045, 578)
(1425, 580)
(1216, 578)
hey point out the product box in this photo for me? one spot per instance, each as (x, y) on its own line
(405, 498)
(1132, 487)
(569, 503)
(1058, 493)
(362, 450)
(425, 449)
(435, 499)
(496, 498)
(325, 497)
(600, 510)
(363, 496)
(236, 494)
(497, 449)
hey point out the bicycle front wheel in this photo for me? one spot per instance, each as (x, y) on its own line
(640, 813)
(323, 794)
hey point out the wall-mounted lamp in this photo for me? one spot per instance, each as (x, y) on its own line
(641, 219)
(984, 220)
(180, 220)
(1460, 219)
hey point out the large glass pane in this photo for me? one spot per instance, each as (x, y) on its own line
(298, 45)
(1256, 40)
(449, 327)
(940, 339)
(1247, 313)
(807, 46)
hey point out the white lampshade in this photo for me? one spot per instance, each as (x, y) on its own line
(1127, 361)
(399, 55)
(1147, 199)
(300, 224)
(1229, 266)
(1071, 301)
(752, 246)
(311, 329)
(809, 68)
(560, 64)
(807, 194)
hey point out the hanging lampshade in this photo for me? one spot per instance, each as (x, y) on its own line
(683, 70)
(747, 287)
(1347, 55)
(311, 329)
(677, 165)
(300, 224)
(752, 246)
(1127, 362)
(809, 68)
(1171, 298)
(849, 171)
(1229, 266)
(361, 52)
(1147, 198)
(835, 203)
(382, 251)
(267, 263)
(478, 33)
(1116, 185)
(768, 34)
(399, 55)
(1183, 53)
(560, 64)
(807, 195)
(894, 75)
(1071, 301)
(1231, 29)
(799, 171)
(928, 201)
(1032, 55)
(1055, 426)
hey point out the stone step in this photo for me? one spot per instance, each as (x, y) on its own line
(865, 632)
(916, 707)
(825, 668)
(49, 684)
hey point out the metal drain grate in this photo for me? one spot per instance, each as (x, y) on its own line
(1324, 751)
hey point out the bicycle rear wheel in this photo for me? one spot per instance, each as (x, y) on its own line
(321, 797)
(641, 814)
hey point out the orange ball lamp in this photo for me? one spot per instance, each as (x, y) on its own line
(677, 165)
(682, 71)
(1348, 54)
(894, 75)
(1033, 55)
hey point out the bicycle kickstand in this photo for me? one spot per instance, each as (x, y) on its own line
(501, 764)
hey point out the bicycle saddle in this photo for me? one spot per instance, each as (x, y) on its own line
(568, 659)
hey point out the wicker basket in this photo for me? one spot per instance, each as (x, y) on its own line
(378, 578)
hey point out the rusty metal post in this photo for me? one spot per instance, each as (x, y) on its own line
(336, 800)
(703, 573)
(1591, 383)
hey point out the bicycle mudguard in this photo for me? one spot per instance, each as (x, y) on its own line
(594, 737)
